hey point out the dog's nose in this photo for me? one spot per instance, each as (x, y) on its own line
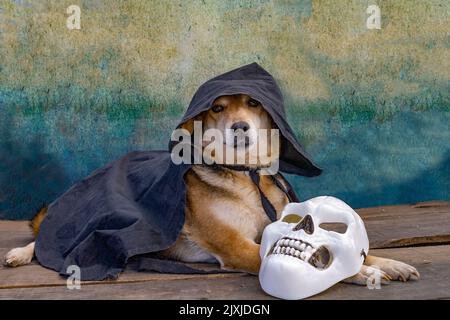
(244, 126)
(307, 224)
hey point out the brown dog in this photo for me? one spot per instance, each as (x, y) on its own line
(224, 215)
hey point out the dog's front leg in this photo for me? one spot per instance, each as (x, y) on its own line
(246, 259)
(234, 251)
(364, 276)
(387, 269)
(396, 270)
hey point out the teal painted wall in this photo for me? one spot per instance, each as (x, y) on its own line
(371, 106)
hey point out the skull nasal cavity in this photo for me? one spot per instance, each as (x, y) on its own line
(244, 126)
(306, 224)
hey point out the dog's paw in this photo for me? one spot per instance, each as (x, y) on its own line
(398, 270)
(18, 257)
(367, 275)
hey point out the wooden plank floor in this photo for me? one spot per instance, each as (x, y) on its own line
(416, 234)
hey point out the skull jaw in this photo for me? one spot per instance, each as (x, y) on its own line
(289, 278)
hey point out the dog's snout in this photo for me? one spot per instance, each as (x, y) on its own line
(244, 126)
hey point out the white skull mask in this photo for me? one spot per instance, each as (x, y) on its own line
(301, 259)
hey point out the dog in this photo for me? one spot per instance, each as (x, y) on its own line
(224, 215)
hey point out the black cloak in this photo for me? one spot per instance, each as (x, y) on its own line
(135, 205)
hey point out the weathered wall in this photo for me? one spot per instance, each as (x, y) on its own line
(371, 106)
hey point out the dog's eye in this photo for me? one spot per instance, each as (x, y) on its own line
(217, 108)
(253, 103)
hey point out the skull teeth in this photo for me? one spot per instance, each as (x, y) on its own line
(317, 257)
(294, 248)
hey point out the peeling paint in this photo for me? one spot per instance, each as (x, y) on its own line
(378, 100)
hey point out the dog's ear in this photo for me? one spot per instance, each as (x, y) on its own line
(189, 125)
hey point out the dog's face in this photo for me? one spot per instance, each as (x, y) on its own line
(239, 119)
(237, 116)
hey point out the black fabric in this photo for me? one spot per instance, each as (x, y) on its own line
(286, 187)
(268, 207)
(135, 205)
(155, 264)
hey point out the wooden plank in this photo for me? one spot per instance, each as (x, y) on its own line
(34, 275)
(16, 234)
(407, 225)
(431, 204)
(14, 226)
(387, 226)
(432, 262)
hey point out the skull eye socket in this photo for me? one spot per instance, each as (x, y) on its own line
(292, 218)
(336, 227)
